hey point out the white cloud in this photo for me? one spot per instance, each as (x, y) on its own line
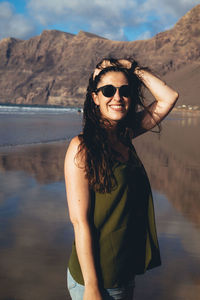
(106, 18)
(12, 24)
(109, 18)
(168, 10)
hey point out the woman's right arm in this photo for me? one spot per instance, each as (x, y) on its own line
(78, 198)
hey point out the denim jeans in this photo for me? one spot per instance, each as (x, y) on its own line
(76, 290)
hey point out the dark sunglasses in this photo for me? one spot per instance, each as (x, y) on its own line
(110, 90)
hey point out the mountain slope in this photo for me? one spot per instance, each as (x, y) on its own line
(54, 67)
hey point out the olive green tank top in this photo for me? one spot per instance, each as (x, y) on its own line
(123, 228)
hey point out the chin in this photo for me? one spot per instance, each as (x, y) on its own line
(115, 120)
(119, 116)
(115, 117)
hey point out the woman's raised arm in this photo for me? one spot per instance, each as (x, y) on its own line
(165, 99)
(78, 198)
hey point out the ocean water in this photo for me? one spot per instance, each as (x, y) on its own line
(28, 109)
(35, 231)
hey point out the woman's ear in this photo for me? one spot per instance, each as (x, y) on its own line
(95, 98)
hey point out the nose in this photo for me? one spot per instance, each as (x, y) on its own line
(117, 94)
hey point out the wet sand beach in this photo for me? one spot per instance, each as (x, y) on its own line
(35, 231)
(27, 127)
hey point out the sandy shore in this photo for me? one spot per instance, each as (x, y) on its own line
(17, 129)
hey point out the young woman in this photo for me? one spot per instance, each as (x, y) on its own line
(108, 192)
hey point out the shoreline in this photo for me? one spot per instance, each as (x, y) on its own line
(75, 108)
(185, 111)
(10, 148)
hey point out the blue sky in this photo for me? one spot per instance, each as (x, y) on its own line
(114, 19)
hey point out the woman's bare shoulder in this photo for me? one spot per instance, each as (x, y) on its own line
(74, 143)
(73, 149)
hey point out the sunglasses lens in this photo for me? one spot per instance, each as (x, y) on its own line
(124, 91)
(108, 90)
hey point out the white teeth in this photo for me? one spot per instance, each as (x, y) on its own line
(117, 106)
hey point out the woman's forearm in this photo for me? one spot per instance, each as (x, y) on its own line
(159, 89)
(165, 98)
(84, 248)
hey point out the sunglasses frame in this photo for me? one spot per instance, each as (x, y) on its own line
(115, 88)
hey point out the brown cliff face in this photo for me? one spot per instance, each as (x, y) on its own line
(53, 68)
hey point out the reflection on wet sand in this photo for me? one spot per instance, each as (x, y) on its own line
(36, 234)
(178, 277)
(42, 161)
(172, 175)
(35, 238)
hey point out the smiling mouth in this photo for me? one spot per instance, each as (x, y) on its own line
(117, 107)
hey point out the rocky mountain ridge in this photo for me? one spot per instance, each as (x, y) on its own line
(53, 68)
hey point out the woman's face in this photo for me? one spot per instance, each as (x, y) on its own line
(112, 108)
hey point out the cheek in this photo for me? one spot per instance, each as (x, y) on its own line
(103, 101)
(102, 106)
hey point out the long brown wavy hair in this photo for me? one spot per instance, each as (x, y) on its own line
(99, 156)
